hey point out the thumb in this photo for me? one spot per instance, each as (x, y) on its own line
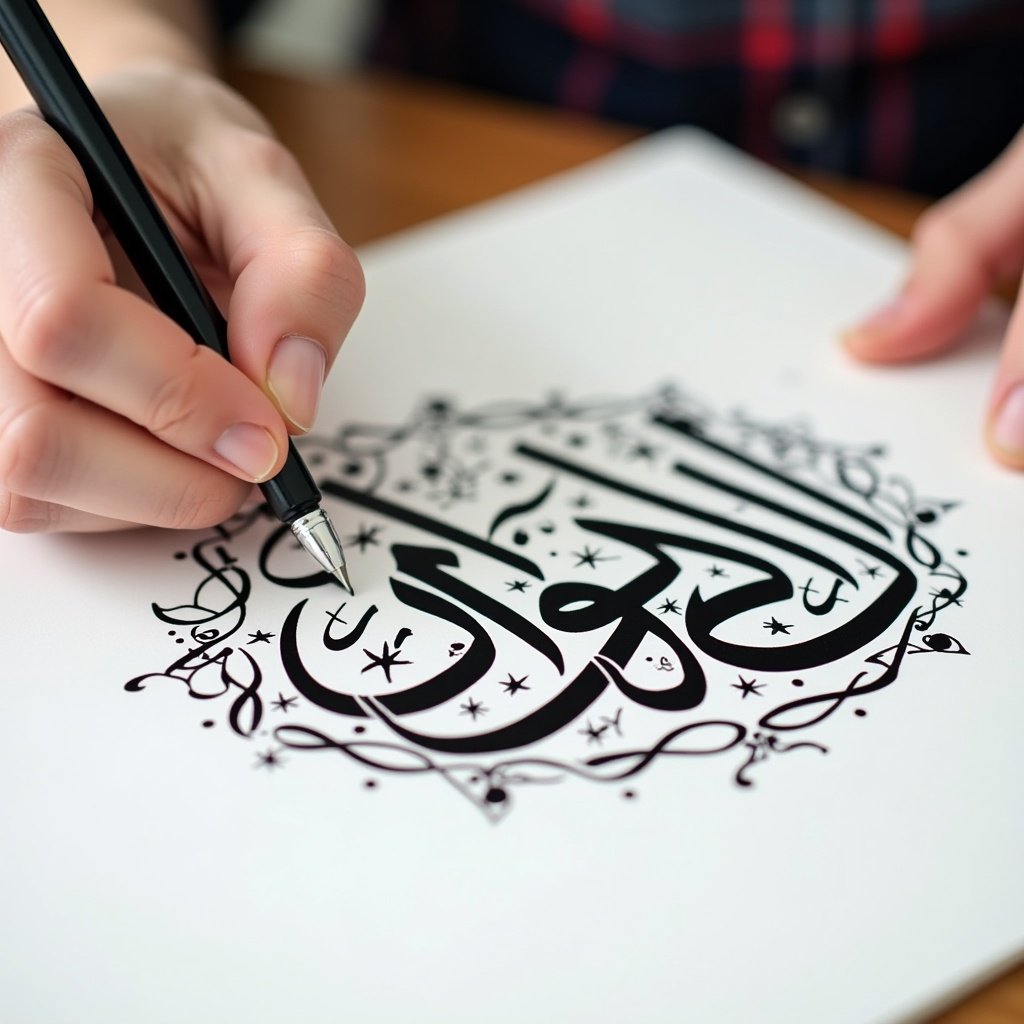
(962, 247)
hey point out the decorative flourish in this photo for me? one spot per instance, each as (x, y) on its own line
(211, 669)
(762, 746)
(488, 517)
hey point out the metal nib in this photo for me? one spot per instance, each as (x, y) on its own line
(316, 533)
(341, 575)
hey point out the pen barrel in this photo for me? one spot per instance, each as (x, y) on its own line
(130, 210)
(118, 191)
(292, 493)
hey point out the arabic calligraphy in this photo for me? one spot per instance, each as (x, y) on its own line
(558, 578)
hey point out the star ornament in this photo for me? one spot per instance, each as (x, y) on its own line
(748, 687)
(366, 537)
(473, 708)
(594, 734)
(512, 685)
(269, 759)
(385, 661)
(642, 451)
(777, 627)
(591, 558)
(260, 637)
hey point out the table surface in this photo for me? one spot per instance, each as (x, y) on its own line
(400, 152)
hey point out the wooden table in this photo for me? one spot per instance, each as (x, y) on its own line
(384, 153)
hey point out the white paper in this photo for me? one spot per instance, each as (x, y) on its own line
(689, 840)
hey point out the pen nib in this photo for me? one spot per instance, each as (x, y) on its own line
(341, 575)
(315, 532)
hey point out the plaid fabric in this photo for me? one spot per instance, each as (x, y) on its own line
(917, 93)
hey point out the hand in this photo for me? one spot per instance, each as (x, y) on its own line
(110, 415)
(962, 247)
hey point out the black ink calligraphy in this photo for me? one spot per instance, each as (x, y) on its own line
(693, 554)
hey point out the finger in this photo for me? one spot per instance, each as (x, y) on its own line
(26, 515)
(117, 351)
(59, 450)
(64, 321)
(73, 454)
(1005, 428)
(18, 514)
(297, 285)
(962, 247)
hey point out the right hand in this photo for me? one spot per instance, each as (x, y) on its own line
(110, 415)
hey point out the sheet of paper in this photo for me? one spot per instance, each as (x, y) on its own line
(680, 681)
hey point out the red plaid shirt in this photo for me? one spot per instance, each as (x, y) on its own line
(919, 93)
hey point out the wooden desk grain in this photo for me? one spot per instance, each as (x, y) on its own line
(385, 153)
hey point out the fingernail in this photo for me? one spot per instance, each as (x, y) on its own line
(1008, 429)
(296, 378)
(250, 449)
(882, 318)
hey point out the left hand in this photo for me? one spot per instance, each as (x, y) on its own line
(962, 247)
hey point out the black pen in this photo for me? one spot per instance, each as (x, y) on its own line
(130, 211)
